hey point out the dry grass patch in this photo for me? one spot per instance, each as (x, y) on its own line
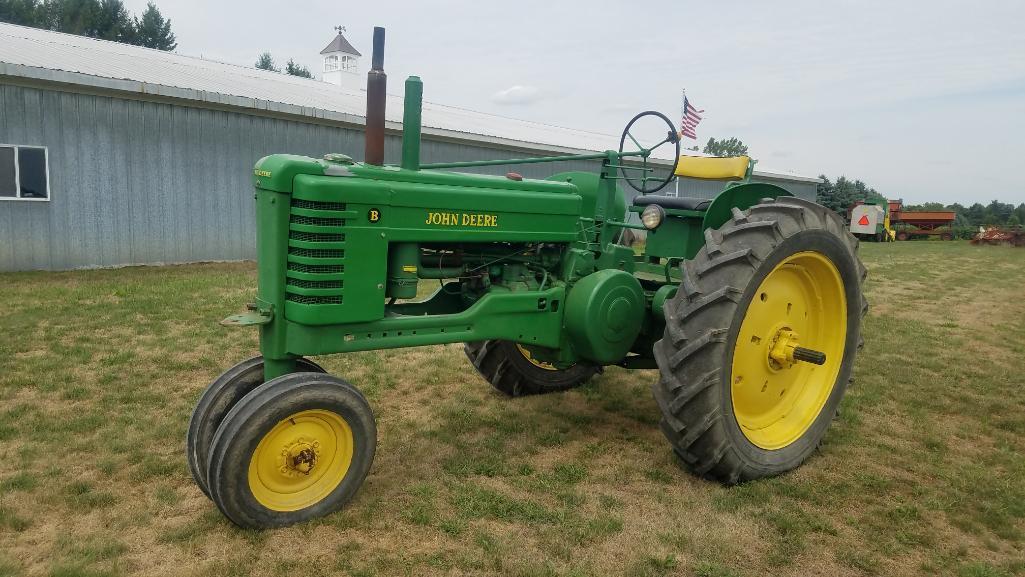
(921, 474)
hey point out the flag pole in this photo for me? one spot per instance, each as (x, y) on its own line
(683, 112)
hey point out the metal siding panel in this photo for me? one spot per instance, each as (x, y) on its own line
(236, 187)
(76, 187)
(195, 154)
(147, 165)
(88, 184)
(222, 193)
(120, 235)
(137, 209)
(103, 145)
(249, 133)
(178, 160)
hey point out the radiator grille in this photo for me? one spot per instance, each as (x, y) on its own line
(316, 268)
(308, 300)
(315, 205)
(315, 236)
(316, 252)
(329, 286)
(316, 220)
(314, 284)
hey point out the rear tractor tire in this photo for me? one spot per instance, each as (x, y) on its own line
(512, 369)
(215, 402)
(760, 341)
(295, 448)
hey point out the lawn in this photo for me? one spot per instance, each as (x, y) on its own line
(923, 472)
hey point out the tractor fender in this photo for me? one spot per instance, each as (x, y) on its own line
(741, 195)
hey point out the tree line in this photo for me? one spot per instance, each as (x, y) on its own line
(723, 147)
(103, 19)
(995, 213)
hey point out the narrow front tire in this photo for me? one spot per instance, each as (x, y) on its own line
(295, 448)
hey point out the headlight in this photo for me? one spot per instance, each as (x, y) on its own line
(652, 216)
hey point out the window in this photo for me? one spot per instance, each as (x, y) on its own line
(24, 173)
(348, 63)
(331, 63)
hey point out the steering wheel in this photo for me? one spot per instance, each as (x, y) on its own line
(645, 184)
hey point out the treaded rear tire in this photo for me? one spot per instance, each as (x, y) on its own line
(503, 365)
(702, 321)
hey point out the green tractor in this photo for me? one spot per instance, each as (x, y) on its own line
(749, 305)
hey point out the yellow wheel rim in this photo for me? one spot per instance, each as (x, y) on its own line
(301, 460)
(536, 362)
(801, 301)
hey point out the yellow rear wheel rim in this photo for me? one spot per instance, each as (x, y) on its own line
(802, 298)
(536, 362)
(301, 460)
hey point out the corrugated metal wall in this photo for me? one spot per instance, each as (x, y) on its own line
(134, 182)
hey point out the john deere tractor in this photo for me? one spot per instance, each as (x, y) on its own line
(748, 304)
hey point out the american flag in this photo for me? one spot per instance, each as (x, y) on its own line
(691, 119)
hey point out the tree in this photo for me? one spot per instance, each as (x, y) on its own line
(976, 214)
(21, 12)
(71, 16)
(1000, 211)
(154, 31)
(114, 23)
(725, 147)
(296, 69)
(266, 62)
(1013, 220)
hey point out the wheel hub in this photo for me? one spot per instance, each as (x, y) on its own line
(299, 457)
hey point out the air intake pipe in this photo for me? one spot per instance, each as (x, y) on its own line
(377, 93)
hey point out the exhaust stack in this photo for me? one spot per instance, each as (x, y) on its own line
(377, 93)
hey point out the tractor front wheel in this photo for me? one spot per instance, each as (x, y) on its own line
(215, 402)
(760, 341)
(295, 448)
(513, 370)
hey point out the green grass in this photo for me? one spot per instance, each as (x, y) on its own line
(920, 475)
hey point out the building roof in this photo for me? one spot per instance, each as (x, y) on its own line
(340, 44)
(54, 57)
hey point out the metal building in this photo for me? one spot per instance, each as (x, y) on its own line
(113, 154)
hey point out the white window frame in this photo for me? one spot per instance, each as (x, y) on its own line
(331, 63)
(17, 173)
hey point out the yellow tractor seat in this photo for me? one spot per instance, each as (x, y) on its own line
(713, 168)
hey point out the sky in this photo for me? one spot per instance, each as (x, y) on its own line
(922, 100)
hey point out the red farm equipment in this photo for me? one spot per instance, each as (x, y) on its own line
(910, 224)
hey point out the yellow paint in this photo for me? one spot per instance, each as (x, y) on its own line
(775, 400)
(408, 268)
(461, 219)
(264, 173)
(374, 215)
(301, 460)
(712, 168)
(536, 362)
(782, 351)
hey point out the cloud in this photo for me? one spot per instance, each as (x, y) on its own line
(516, 95)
